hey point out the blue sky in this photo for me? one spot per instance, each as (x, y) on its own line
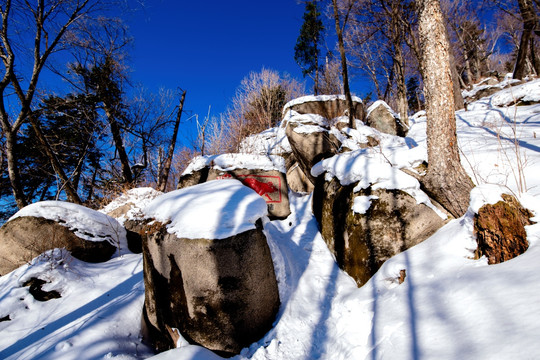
(208, 47)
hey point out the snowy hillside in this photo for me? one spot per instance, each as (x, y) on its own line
(449, 306)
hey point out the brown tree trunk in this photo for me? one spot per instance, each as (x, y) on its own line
(446, 181)
(402, 103)
(117, 137)
(529, 22)
(164, 173)
(344, 71)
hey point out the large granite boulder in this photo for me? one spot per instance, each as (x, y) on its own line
(263, 173)
(89, 235)
(500, 230)
(328, 106)
(366, 227)
(208, 270)
(381, 117)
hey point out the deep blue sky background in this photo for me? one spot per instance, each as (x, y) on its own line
(208, 47)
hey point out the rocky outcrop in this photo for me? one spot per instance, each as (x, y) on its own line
(500, 230)
(24, 238)
(381, 117)
(363, 241)
(328, 106)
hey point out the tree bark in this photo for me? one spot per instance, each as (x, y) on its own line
(402, 103)
(164, 173)
(529, 22)
(446, 181)
(344, 71)
(118, 143)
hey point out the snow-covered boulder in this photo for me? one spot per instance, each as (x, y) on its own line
(366, 227)
(381, 117)
(263, 173)
(328, 106)
(369, 210)
(208, 271)
(89, 235)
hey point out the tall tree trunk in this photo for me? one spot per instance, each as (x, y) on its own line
(529, 22)
(534, 57)
(66, 183)
(344, 71)
(402, 103)
(164, 173)
(446, 180)
(118, 143)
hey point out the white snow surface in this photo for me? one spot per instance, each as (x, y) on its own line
(87, 224)
(449, 307)
(212, 210)
(273, 141)
(229, 162)
(361, 204)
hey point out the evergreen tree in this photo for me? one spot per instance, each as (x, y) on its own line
(71, 128)
(307, 48)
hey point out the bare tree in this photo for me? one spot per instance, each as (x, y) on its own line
(165, 169)
(258, 104)
(526, 45)
(340, 26)
(51, 21)
(446, 180)
(330, 81)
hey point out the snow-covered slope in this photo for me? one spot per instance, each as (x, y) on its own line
(449, 306)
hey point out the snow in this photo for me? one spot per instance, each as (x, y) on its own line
(213, 210)
(273, 141)
(229, 162)
(87, 224)
(508, 81)
(450, 305)
(362, 204)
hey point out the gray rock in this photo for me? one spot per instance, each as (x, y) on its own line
(310, 147)
(381, 117)
(297, 180)
(24, 238)
(221, 294)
